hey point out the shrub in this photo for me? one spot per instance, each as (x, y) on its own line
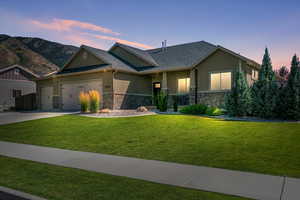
(195, 109)
(84, 100)
(94, 101)
(162, 101)
(213, 111)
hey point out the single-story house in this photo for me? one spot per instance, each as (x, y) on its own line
(15, 81)
(128, 77)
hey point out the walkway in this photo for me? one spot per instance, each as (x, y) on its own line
(251, 185)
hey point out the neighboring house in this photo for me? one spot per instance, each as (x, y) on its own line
(15, 81)
(127, 77)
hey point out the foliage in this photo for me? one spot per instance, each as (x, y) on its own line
(162, 101)
(264, 90)
(84, 100)
(213, 111)
(175, 103)
(196, 109)
(292, 91)
(94, 101)
(238, 100)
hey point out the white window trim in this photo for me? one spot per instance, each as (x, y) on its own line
(220, 71)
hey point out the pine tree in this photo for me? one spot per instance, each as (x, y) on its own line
(238, 101)
(264, 90)
(292, 91)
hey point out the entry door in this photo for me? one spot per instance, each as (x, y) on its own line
(46, 98)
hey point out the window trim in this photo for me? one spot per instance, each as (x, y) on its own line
(219, 71)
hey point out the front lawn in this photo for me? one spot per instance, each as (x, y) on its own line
(271, 148)
(53, 182)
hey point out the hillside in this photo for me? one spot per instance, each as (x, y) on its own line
(39, 55)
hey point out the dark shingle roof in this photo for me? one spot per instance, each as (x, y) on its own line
(181, 56)
(82, 69)
(144, 55)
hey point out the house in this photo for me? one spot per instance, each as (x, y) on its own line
(128, 77)
(15, 81)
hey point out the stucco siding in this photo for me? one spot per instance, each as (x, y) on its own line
(81, 60)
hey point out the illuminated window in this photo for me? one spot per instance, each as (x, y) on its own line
(183, 85)
(156, 85)
(220, 81)
(254, 74)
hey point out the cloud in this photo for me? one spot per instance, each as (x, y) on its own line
(69, 25)
(103, 37)
(79, 40)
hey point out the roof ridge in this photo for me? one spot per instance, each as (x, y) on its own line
(183, 44)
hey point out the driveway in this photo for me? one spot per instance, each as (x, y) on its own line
(13, 117)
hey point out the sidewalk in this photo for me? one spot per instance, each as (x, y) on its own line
(251, 185)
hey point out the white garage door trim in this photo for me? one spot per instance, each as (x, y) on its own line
(46, 98)
(71, 89)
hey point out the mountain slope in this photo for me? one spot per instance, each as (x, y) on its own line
(40, 56)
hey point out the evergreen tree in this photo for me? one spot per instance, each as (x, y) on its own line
(264, 90)
(238, 101)
(292, 91)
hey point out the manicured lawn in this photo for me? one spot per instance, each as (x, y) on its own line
(271, 148)
(61, 183)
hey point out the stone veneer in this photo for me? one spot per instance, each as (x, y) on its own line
(131, 101)
(212, 98)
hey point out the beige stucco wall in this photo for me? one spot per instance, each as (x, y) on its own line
(218, 62)
(79, 60)
(131, 83)
(130, 58)
(172, 80)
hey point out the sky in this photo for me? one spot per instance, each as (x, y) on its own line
(244, 26)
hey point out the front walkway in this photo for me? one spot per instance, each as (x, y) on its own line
(251, 185)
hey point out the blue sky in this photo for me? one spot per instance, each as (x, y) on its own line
(246, 27)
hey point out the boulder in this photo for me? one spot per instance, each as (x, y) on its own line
(142, 109)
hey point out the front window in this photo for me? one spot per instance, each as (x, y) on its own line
(254, 74)
(183, 85)
(220, 81)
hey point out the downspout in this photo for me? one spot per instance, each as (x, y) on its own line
(196, 85)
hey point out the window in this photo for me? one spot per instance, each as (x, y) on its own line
(254, 74)
(156, 85)
(17, 71)
(17, 93)
(220, 81)
(183, 85)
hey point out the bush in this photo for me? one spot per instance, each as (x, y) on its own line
(195, 109)
(84, 100)
(213, 111)
(162, 101)
(94, 101)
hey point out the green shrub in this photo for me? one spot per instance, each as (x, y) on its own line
(213, 111)
(195, 109)
(162, 101)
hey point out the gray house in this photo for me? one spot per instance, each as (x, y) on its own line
(15, 81)
(128, 77)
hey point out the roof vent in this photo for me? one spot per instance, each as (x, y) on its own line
(164, 45)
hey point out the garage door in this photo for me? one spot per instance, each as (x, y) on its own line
(46, 98)
(71, 91)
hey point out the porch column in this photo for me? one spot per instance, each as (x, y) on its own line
(164, 82)
(193, 86)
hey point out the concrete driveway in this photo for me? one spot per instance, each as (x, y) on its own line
(13, 117)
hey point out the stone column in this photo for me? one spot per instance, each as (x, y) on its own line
(192, 87)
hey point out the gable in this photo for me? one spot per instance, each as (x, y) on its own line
(83, 58)
(16, 73)
(128, 57)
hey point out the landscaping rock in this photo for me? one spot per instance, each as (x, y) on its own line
(105, 110)
(142, 109)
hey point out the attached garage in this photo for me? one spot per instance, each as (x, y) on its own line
(46, 98)
(70, 92)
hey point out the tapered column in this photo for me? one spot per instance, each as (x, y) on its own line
(164, 82)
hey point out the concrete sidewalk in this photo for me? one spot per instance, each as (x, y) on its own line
(251, 185)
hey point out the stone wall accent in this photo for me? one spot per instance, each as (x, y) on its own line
(212, 98)
(131, 101)
(182, 99)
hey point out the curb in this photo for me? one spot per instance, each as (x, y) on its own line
(9, 193)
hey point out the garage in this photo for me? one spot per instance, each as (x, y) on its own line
(46, 98)
(71, 91)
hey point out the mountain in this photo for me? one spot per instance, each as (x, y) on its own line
(39, 55)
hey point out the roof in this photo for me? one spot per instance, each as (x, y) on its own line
(172, 58)
(144, 55)
(20, 67)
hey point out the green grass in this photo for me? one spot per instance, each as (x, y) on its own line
(271, 148)
(61, 183)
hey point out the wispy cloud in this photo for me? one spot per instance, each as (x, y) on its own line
(103, 37)
(79, 32)
(69, 25)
